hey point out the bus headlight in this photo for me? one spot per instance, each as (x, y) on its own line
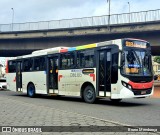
(129, 87)
(126, 85)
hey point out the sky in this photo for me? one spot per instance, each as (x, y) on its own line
(45, 10)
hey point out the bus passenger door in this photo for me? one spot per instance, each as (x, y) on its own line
(52, 74)
(104, 72)
(19, 76)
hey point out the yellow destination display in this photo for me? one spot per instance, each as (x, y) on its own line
(135, 44)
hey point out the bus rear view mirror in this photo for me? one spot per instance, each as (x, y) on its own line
(155, 77)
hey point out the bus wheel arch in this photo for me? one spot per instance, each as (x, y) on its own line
(88, 93)
(31, 91)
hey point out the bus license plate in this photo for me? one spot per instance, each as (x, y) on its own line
(143, 92)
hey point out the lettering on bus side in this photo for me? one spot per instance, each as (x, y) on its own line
(75, 75)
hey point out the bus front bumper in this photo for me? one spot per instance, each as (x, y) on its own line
(126, 93)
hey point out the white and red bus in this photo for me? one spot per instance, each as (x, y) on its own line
(116, 69)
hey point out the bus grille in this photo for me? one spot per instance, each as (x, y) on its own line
(142, 92)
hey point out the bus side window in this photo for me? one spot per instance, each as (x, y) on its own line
(39, 64)
(28, 65)
(36, 64)
(67, 60)
(114, 69)
(12, 66)
(85, 59)
(42, 63)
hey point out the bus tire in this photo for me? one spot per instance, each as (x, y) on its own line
(31, 92)
(89, 95)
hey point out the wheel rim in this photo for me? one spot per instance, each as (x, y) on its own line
(89, 94)
(31, 91)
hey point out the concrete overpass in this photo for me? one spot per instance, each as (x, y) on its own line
(14, 43)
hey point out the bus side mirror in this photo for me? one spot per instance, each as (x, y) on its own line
(155, 77)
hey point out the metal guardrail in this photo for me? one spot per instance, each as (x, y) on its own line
(134, 17)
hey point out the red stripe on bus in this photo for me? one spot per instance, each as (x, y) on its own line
(141, 85)
(64, 50)
(14, 80)
(59, 77)
(93, 75)
(7, 71)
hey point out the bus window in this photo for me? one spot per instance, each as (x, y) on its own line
(114, 70)
(12, 66)
(28, 65)
(39, 64)
(67, 60)
(85, 59)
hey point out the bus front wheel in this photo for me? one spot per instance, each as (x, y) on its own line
(31, 90)
(89, 95)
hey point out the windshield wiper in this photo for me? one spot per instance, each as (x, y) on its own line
(137, 57)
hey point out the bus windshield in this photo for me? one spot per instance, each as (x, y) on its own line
(136, 62)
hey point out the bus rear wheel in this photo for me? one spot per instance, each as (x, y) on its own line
(89, 95)
(31, 90)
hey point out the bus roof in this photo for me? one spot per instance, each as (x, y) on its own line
(68, 49)
(64, 49)
(49, 50)
(41, 52)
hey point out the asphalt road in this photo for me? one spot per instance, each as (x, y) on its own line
(135, 112)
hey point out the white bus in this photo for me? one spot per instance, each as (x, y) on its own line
(116, 69)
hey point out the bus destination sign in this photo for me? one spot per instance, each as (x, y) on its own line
(137, 44)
